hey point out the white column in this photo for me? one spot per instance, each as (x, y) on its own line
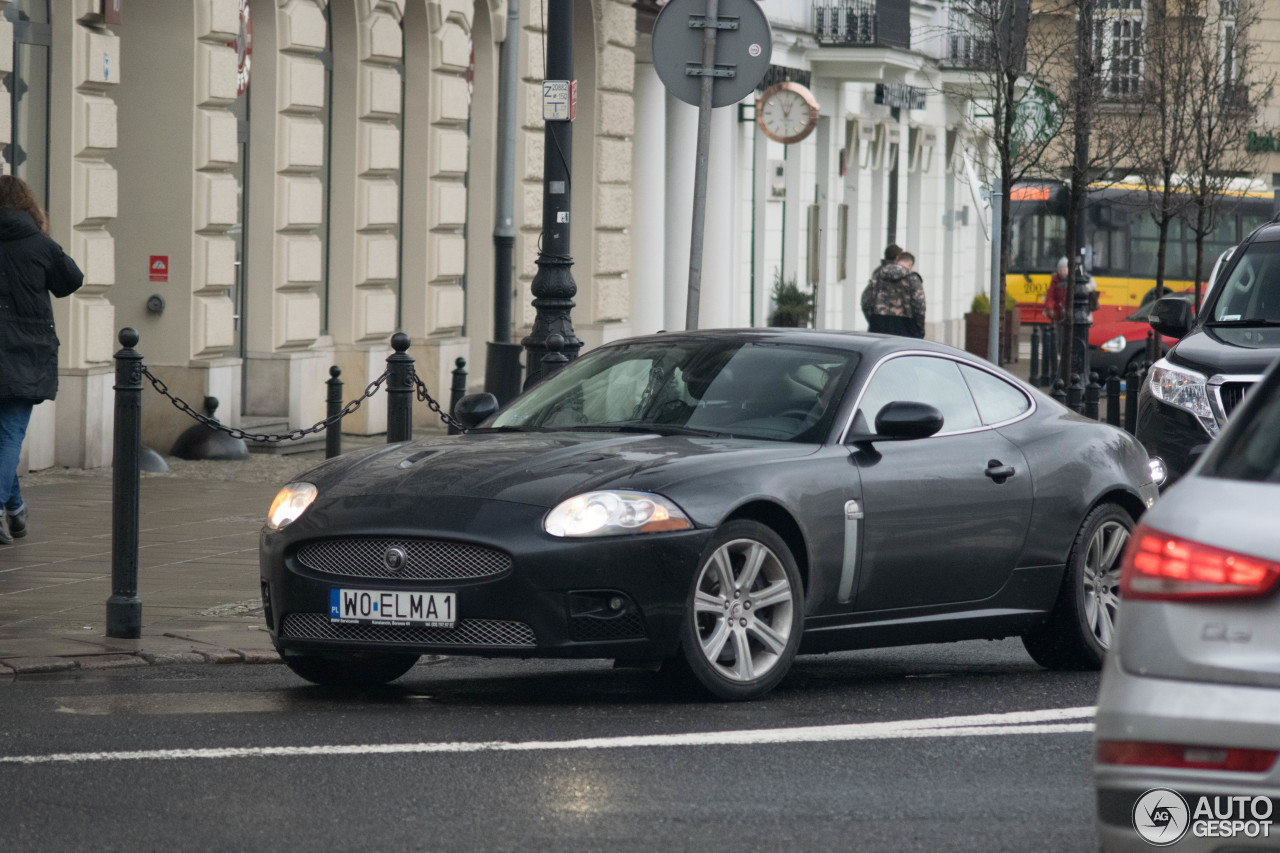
(759, 227)
(793, 215)
(682, 142)
(648, 199)
(822, 301)
(718, 254)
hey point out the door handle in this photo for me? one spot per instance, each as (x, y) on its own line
(998, 471)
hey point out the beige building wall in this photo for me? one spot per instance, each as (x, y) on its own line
(146, 151)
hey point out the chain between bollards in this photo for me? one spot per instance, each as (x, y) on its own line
(124, 609)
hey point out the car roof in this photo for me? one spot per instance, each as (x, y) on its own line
(871, 344)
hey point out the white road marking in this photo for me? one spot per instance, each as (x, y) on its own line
(1048, 721)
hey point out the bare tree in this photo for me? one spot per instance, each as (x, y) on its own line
(1161, 130)
(1226, 92)
(1009, 99)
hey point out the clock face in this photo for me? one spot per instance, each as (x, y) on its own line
(787, 112)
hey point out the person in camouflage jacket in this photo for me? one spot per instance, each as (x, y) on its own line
(893, 301)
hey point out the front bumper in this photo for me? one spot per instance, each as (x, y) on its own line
(1136, 708)
(551, 602)
(1170, 433)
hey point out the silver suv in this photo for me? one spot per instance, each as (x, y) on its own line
(1188, 725)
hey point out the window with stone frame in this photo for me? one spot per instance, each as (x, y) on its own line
(1234, 90)
(1118, 41)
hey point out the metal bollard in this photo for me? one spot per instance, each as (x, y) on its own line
(1092, 393)
(1035, 355)
(1132, 385)
(333, 432)
(458, 389)
(1059, 392)
(124, 609)
(1049, 359)
(399, 391)
(1113, 397)
(1075, 394)
(555, 359)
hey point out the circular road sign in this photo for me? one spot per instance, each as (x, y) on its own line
(743, 47)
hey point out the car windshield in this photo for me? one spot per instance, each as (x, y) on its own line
(782, 392)
(1251, 293)
(1252, 452)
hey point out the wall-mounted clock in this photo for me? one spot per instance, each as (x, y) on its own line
(786, 112)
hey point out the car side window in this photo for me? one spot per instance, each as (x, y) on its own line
(997, 400)
(919, 379)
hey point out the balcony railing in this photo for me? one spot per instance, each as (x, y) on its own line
(968, 52)
(856, 23)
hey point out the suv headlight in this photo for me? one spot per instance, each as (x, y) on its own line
(1116, 344)
(611, 513)
(1186, 389)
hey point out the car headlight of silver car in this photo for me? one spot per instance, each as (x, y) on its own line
(1116, 344)
(612, 513)
(1185, 389)
(290, 502)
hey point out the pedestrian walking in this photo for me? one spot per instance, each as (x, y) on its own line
(893, 301)
(32, 266)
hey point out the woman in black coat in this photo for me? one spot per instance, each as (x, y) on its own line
(32, 266)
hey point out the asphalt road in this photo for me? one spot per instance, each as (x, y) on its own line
(471, 754)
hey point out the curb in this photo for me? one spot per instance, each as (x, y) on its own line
(12, 668)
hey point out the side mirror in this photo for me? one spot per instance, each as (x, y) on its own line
(474, 409)
(903, 421)
(1171, 316)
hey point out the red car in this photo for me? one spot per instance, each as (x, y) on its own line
(1119, 339)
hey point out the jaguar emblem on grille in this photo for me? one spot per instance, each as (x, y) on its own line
(395, 558)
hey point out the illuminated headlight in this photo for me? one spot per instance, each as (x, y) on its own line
(612, 513)
(1116, 344)
(1185, 389)
(290, 503)
(1155, 465)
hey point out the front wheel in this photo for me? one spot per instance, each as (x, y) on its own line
(1081, 626)
(350, 669)
(744, 615)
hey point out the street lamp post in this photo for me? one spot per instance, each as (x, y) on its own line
(553, 286)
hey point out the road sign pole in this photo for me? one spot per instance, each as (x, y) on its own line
(700, 166)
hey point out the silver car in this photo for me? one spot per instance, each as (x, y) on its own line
(1188, 725)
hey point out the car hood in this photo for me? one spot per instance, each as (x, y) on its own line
(540, 468)
(1231, 350)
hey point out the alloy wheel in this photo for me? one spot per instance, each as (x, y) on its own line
(1101, 578)
(744, 608)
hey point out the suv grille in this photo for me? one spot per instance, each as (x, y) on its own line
(1231, 393)
(428, 559)
(469, 632)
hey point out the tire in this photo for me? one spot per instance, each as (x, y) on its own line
(350, 669)
(738, 639)
(1081, 626)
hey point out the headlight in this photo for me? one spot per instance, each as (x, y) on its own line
(290, 503)
(612, 513)
(1185, 389)
(1116, 344)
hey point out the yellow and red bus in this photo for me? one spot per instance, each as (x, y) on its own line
(1122, 239)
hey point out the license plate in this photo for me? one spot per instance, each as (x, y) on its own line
(377, 607)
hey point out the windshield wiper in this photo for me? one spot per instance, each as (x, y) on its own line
(508, 428)
(1252, 321)
(656, 429)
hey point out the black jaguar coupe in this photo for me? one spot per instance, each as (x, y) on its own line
(713, 503)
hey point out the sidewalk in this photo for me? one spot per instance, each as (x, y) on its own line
(197, 568)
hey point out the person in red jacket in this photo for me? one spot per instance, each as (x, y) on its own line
(32, 266)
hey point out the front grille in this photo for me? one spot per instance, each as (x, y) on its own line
(428, 559)
(625, 626)
(469, 632)
(1231, 393)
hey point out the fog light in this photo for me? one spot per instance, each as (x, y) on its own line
(1156, 466)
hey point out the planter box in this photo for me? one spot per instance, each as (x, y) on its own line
(977, 328)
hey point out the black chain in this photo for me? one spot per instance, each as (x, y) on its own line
(424, 396)
(182, 406)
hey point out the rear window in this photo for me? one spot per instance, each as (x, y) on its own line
(1252, 451)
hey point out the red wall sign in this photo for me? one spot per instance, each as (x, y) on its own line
(159, 268)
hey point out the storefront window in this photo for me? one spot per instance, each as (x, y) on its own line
(27, 154)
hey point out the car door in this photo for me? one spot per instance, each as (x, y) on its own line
(944, 517)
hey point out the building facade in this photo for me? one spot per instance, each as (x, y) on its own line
(266, 188)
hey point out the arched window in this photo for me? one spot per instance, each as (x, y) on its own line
(27, 153)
